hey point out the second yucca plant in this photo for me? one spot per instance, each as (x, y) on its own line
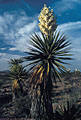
(17, 74)
(46, 58)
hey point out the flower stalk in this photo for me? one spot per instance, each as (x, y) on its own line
(47, 21)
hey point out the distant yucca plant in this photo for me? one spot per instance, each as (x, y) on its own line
(17, 74)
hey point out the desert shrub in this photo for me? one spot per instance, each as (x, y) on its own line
(70, 111)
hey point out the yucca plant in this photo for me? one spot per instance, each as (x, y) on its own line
(46, 57)
(70, 111)
(17, 74)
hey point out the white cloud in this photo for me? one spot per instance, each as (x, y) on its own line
(23, 34)
(2, 54)
(27, 28)
(70, 26)
(2, 48)
(73, 31)
(16, 29)
(13, 49)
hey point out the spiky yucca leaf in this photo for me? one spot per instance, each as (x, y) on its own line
(15, 61)
(48, 53)
(15, 85)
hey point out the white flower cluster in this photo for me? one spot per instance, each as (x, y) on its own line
(47, 22)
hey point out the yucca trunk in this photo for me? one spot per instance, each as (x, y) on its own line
(48, 100)
(45, 97)
(17, 89)
(21, 87)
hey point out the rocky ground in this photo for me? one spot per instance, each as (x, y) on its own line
(8, 107)
(69, 88)
(5, 88)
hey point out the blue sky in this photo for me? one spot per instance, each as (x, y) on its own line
(19, 19)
